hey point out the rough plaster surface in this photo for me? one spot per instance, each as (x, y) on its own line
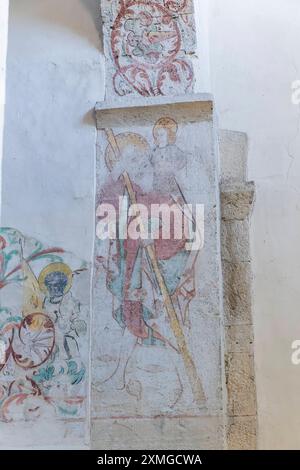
(155, 382)
(160, 433)
(237, 292)
(242, 433)
(235, 241)
(239, 338)
(237, 200)
(241, 385)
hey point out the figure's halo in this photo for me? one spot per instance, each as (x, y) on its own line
(56, 268)
(123, 141)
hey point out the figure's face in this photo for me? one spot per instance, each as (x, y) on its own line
(56, 284)
(162, 137)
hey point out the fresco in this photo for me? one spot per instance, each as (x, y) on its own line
(149, 46)
(156, 303)
(43, 330)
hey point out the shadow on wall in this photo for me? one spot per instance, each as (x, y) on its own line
(93, 7)
(81, 17)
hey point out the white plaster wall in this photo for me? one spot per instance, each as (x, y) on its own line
(54, 78)
(254, 59)
(3, 47)
(202, 71)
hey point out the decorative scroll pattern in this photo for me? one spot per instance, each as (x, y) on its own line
(148, 47)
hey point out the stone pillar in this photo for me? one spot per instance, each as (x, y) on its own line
(237, 198)
(3, 46)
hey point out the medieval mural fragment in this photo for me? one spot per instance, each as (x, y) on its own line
(43, 330)
(156, 303)
(149, 46)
